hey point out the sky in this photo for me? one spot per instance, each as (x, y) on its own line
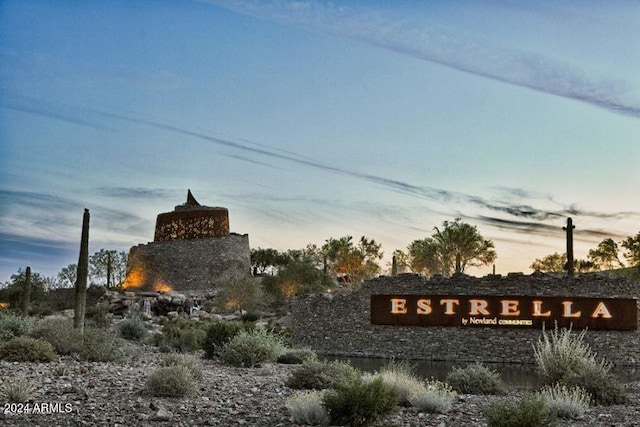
(313, 119)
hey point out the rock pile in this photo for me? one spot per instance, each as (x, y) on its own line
(150, 304)
(111, 394)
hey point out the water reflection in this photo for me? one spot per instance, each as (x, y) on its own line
(515, 376)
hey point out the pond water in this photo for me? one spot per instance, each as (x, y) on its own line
(515, 376)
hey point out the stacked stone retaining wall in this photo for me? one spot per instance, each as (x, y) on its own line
(187, 265)
(340, 323)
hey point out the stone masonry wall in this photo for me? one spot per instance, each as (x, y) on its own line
(339, 324)
(187, 265)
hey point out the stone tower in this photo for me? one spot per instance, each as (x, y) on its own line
(192, 250)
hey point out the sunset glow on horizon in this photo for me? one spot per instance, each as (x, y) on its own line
(312, 119)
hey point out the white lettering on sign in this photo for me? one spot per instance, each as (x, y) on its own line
(602, 311)
(567, 310)
(480, 307)
(424, 306)
(510, 307)
(398, 306)
(449, 304)
(537, 310)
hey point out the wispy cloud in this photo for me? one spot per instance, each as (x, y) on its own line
(134, 193)
(17, 246)
(515, 209)
(546, 229)
(455, 50)
(26, 104)
(511, 205)
(250, 160)
(18, 250)
(78, 116)
(53, 218)
(519, 226)
(33, 199)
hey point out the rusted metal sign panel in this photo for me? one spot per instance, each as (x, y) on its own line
(194, 224)
(614, 314)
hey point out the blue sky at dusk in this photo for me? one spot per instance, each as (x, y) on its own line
(314, 119)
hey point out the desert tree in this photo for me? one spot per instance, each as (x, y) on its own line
(585, 266)
(67, 276)
(13, 291)
(311, 254)
(297, 277)
(239, 292)
(425, 256)
(451, 249)
(108, 267)
(632, 249)
(403, 262)
(605, 255)
(557, 263)
(350, 262)
(263, 260)
(552, 263)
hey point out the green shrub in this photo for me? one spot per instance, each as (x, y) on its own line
(12, 293)
(567, 359)
(208, 305)
(181, 335)
(99, 345)
(297, 277)
(476, 379)
(358, 403)
(187, 360)
(12, 326)
(252, 348)
(239, 292)
(40, 308)
(603, 387)
(530, 411)
(95, 345)
(60, 333)
(436, 396)
(400, 377)
(566, 402)
(187, 340)
(99, 314)
(305, 407)
(297, 356)
(250, 316)
(133, 329)
(60, 371)
(16, 392)
(561, 355)
(219, 334)
(171, 381)
(27, 349)
(276, 328)
(317, 375)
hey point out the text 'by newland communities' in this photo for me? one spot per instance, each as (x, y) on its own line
(504, 311)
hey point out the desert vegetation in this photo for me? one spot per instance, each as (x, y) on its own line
(242, 336)
(317, 392)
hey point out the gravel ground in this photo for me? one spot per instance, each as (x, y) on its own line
(110, 394)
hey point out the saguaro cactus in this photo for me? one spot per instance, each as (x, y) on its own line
(26, 291)
(569, 229)
(108, 269)
(83, 273)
